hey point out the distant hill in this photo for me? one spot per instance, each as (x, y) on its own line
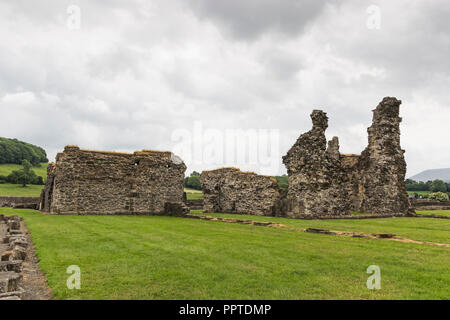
(14, 151)
(433, 174)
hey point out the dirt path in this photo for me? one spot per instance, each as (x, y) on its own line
(34, 281)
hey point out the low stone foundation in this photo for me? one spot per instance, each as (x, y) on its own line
(20, 202)
(13, 244)
(426, 204)
(194, 204)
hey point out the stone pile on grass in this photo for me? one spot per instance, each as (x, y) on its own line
(13, 244)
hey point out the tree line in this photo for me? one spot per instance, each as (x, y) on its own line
(433, 186)
(15, 151)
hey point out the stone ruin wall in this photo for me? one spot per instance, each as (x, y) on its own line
(230, 190)
(382, 165)
(100, 182)
(324, 182)
(317, 183)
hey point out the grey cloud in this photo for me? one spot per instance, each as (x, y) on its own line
(252, 18)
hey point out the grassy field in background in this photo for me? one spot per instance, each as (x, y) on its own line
(6, 169)
(436, 212)
(150, 257)
(420, 193)
(193, 194)
(16, 190)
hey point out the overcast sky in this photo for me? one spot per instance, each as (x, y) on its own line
(141, 74)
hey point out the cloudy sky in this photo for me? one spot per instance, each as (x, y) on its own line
(188, 75)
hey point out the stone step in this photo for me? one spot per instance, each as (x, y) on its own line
(18, 253)
(15, 265)
(6, 295)
(18, 242)
(10, 298)
(9, 281)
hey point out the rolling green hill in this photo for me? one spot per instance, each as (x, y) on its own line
(14, 151)
(40, 170)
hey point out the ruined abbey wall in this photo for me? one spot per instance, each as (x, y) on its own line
(230, 190)
(317, 183)
(323, 182)
(99, 182)
(381, 167)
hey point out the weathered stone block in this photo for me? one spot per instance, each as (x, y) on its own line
(233, 191)
(9, 281)
(100, 182)
(15, 266)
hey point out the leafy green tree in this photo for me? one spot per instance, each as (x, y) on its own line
(438, 186)
(24, 176)
(14, 151)
(282, 181)
(193, 181)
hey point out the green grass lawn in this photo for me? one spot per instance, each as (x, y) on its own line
(421, 229)
(6, 169)
(190, 196)
(16, 190)
(145, 257)
(422, 193)
(436, 212)
(193, 194)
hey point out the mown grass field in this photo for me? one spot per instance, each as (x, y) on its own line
(436, 230)
(193, 194)
(145, 257)
(6, 169)
(435, 212)
(420, 193)
(16, 190)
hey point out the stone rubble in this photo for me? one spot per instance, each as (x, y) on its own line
(12, 252)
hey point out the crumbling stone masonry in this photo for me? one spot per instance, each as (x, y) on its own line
(20, 202)
(324, 182)
(381, 166)
(230, 190)
(317, 183)
(100, 182)
(13, 244)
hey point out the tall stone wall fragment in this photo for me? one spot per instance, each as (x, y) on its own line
(317, 183)
(382, 166)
